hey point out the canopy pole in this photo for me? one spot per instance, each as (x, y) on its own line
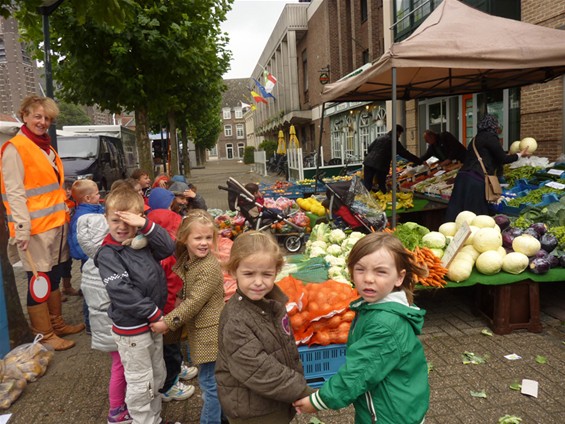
(318, 158)
(394, 138)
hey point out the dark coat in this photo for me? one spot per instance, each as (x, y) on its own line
(446, 147)
(258, 371)
(379, 153)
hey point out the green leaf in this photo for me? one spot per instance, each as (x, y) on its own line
(480, 394)
(486, 332)
(515, 386)
(541, 359)
(471, 358)
(314, 420)
(430, 367)
(509, 419)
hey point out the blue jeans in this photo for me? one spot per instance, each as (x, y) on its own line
(211, 409)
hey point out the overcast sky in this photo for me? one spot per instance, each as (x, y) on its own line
(249, 24)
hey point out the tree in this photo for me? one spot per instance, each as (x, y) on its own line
(71, 114)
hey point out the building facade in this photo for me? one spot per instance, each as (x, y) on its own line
(18, 73)
(232, 140)
(328, 40)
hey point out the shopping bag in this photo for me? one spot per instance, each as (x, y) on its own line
(493, 191)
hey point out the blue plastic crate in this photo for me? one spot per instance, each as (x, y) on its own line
(321, 362)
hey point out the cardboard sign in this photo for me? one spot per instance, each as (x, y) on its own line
(556, 185)
(456, 244)
(555, 171)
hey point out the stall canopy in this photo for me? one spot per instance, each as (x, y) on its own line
(458, 50)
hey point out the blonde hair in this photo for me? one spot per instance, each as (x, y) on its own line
(195, 216)
(81, 188)
(252, 243)
(123, 198)
(403, 259)
(30, 103)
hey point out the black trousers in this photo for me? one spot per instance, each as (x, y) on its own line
(172, 355)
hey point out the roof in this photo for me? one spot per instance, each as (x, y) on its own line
(237, 91)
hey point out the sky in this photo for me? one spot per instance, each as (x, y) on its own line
(249, 25)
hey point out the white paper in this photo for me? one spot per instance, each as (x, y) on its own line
(438, 173)
(530, 387)
(512, 357)
(5, 418)
(556, 185)
(555, 171)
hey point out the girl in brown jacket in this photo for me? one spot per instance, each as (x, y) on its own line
(258, 371)
(199, 304)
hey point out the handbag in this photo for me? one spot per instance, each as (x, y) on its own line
(493, 191)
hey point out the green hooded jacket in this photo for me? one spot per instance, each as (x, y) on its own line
(385, 374)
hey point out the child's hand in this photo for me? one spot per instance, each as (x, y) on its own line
(304, 406)
(131, 218)
(159, 326)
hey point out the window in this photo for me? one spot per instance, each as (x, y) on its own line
(364, 11)
(365, 57)
(227, 113)
(229, 151)
(239, 131)
(240, 150)
(214, 151)
(227, 130)
(2, 51)
(25, 55)
(238, 113)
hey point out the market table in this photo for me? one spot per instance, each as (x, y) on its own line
(426, 212)
(508, 302)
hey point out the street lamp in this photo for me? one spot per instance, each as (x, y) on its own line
(48, 7)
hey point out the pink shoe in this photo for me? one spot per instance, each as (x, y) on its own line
(119, 415)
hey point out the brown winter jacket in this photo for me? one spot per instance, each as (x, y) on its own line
(258, 371)
(203, 301)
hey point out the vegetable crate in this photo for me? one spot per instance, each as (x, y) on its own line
(321, 362)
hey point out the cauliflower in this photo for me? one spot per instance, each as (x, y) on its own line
(335, 271)
(341, 279)
(334, 250)
(333, 261)
(320, 243)
(337, 236)
(356, 235)
(317, 252)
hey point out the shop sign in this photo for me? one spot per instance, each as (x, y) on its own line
(324, 78)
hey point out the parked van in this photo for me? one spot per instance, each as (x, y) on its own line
(97, 157)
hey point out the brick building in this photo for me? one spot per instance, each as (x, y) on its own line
(333, 39)
(232, 140)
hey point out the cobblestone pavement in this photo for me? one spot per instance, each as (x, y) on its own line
(74, 389)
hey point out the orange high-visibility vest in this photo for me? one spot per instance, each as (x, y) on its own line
(44, 191)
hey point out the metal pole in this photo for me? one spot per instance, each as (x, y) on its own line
(394, 137)
(48, 74)
(319, 160)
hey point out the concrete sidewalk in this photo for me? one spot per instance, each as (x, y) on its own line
(74, 390)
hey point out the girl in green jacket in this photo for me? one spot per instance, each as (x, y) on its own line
(385, 375)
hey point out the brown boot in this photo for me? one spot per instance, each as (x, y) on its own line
(41, 324)
(68, 289)
(55, 311)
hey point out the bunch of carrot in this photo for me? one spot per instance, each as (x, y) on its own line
(436, 272)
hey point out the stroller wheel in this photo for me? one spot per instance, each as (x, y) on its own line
(293, 243)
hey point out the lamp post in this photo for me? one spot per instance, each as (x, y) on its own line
(48, 7)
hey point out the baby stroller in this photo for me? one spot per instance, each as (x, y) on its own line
(350, 205)
(261, 218)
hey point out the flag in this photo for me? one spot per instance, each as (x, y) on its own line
(270, 82)
(262, 90)
(245, 105)
(257, 97)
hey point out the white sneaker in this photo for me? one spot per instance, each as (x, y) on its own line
(179, 391)
(187, 373)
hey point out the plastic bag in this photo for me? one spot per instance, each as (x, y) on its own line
(31, 359)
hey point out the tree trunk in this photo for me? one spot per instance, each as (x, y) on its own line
(17, 324)
(174, 144)
(185, 150)
(143, 142)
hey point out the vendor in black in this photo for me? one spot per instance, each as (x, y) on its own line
(379, 156)
(469, 187)
(443, 146)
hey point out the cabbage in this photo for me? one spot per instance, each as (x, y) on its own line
(472, 235)
(469, 249)
(434, 239)
(526, 244)
(487, 239)
(448, 229)
(459, 270)
(336, 236)
(489, 262)
(483, 221)
(530, 143)
(515, 263)
(334, 250)
(514, 148)
(437, 252)
(464, 216)
(466, 257)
